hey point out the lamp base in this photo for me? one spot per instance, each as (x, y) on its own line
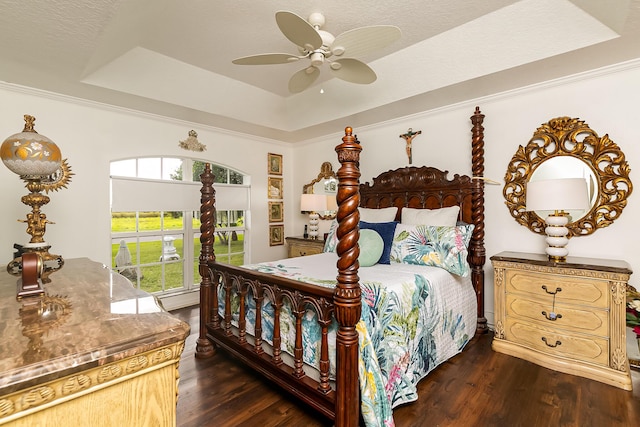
(557, 236)
(50, 262)
(314, 219)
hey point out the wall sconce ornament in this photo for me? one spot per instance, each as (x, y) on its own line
(192, 143)
(38, 162)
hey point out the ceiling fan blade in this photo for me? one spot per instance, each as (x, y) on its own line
(353, 71)
(303, 79)
(363, 40)
(267, 59)
(299, 31)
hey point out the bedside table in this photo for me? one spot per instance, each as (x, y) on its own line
(567, 316)
(299, 246)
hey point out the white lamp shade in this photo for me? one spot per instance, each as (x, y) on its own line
(332, 203)
(313, 203)
(557, 194)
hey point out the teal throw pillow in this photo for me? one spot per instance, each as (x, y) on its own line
(371, 247)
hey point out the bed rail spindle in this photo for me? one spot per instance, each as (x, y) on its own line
(298, 372)
(215, 314)
(242, 314)
(478, 252)
(346, 296)
(277, 340)
(228, 289)
(258, 297)
(324, 386)
(204, 347)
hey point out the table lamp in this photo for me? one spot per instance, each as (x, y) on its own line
(38, 162)
(313, 203)
(557, 196)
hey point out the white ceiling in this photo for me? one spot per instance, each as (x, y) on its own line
(173, 57)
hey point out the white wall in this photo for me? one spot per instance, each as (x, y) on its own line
(91, 135)
(606, 99)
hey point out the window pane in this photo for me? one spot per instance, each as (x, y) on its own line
(198, 168)
(173, 221)
(197, 246)
(237, 248)
(123, 252)
(172, 169)
(123, 221)
(220, 174)
(171, 248)
(123, 168)
(173, 276)
(235, 177)
(151, 278)
(149, 221)
(149, 168)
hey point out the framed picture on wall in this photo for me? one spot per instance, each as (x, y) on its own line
(276, 213)
(276, 235)
(275, 188)
(275, 164)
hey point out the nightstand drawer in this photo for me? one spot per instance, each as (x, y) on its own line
(567, 289)
(587, 295)
(569, 317)
(295, 251)
(555, 343)
(298, 246)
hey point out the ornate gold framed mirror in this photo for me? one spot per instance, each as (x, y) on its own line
(325, 183)
(568, 148)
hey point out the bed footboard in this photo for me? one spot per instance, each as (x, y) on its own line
(221, 281)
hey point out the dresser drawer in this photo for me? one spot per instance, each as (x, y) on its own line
(568, 317)
(567, 289)
(556, 343)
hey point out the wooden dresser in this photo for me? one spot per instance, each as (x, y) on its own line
(299, 246)
(567, 316)
(93, 351)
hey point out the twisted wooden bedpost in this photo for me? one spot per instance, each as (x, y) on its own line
(346, 296)
(204, 347)
(477, 249)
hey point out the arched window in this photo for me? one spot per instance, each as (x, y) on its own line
(155, 221)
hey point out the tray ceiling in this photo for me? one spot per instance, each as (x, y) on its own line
(173, 58)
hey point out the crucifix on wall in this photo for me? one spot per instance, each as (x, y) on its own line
(408, 137)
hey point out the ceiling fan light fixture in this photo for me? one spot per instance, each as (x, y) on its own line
(317, 59)
(338, 50)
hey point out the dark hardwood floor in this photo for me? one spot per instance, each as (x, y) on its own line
(476, 388)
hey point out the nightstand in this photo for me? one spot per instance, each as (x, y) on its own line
(566, 316)
(299, 246)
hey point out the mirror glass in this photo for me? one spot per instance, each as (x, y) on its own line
(325, 183)
(568, 167)
(566, 147)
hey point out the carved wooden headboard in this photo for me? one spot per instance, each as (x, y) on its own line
(430, 188)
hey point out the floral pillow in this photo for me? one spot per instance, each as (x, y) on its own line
(438, 246)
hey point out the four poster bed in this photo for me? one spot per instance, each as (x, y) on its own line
(321, 337)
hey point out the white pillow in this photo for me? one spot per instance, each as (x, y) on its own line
(378, 215)
(436, 217)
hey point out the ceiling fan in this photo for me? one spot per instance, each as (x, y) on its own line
(320, 46)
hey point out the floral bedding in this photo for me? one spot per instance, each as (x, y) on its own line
(413, 318)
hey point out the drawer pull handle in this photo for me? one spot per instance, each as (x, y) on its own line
(551, 345)
(544, 287)
(552, 316)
